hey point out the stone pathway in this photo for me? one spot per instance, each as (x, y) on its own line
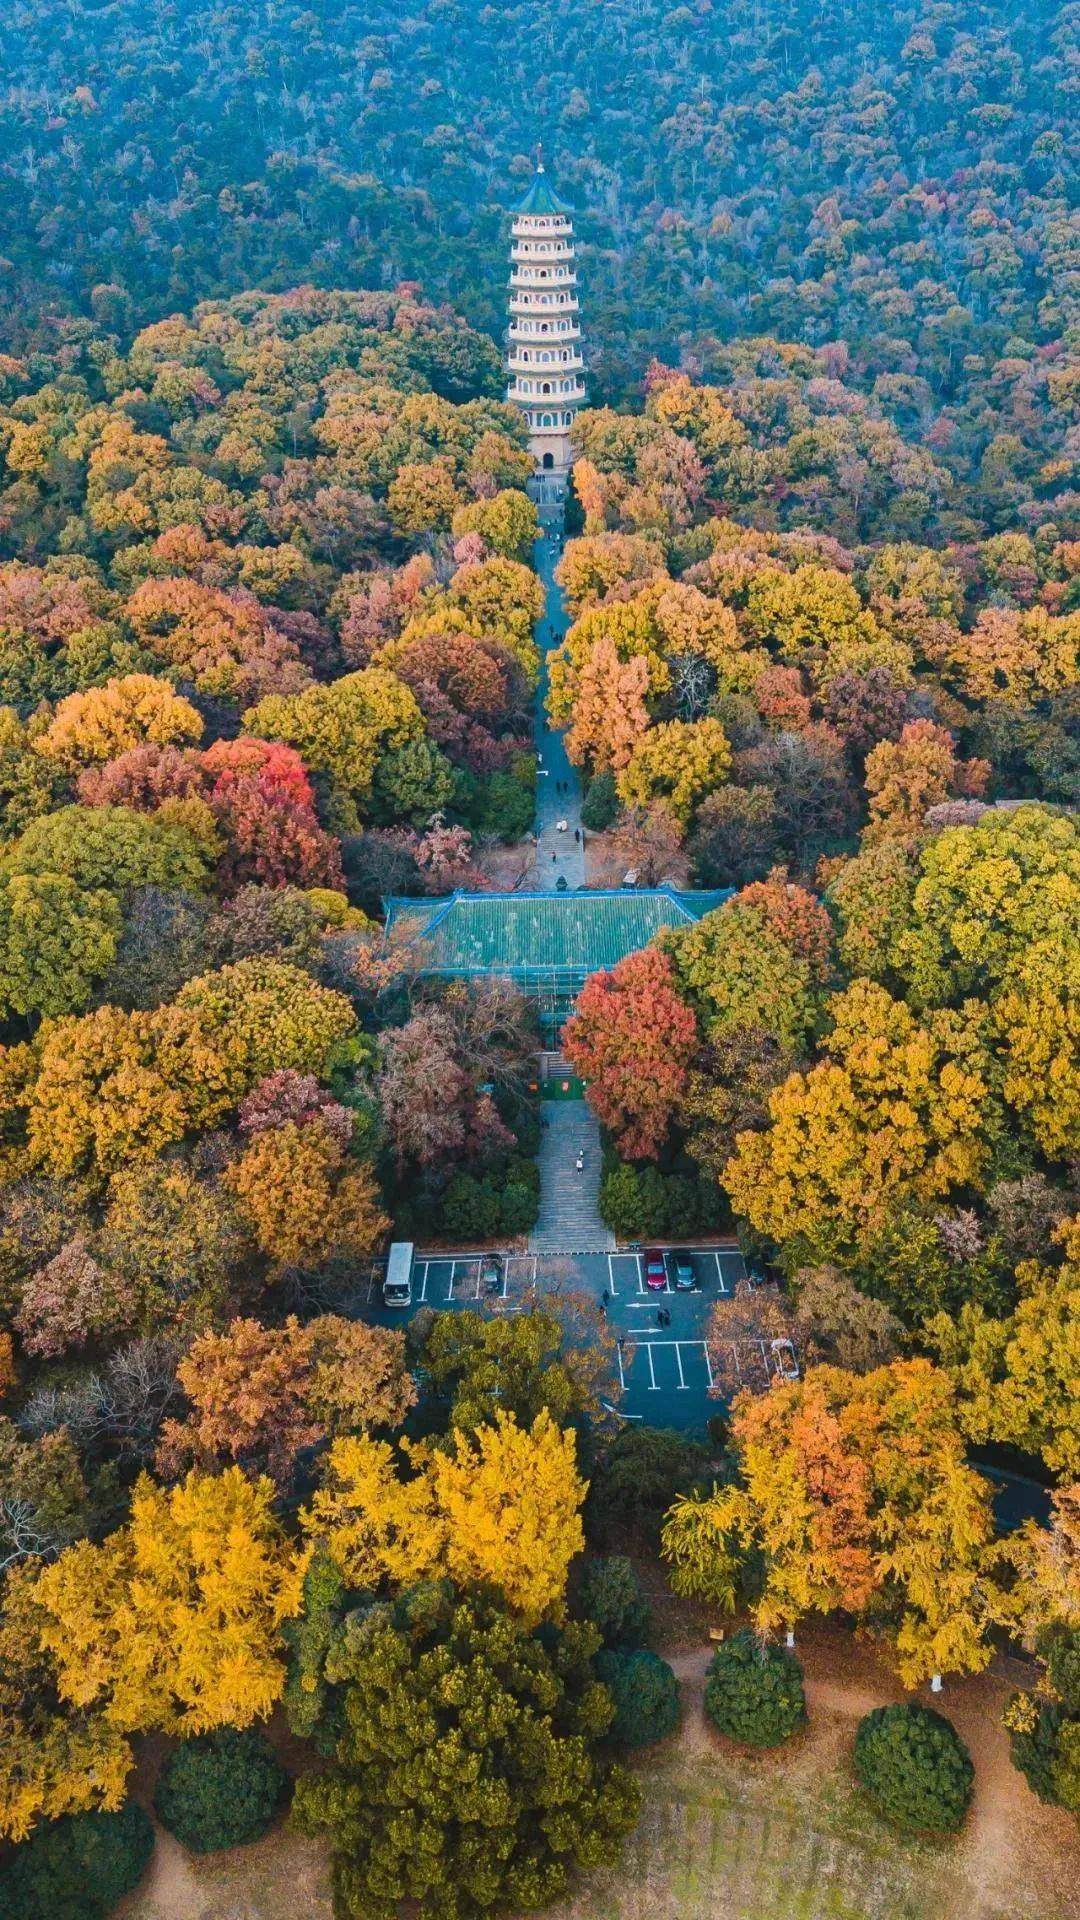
(569, 1219)
(558, 855)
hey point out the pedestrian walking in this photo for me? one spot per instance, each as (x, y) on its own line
(581, 1163)
(660, 1317)
(577, 835)
(554, 857)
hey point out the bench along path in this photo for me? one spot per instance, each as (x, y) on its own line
(569, 1216)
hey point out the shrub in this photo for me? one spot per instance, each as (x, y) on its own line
(1036, 1749)
(632, 1203)
(642, 1203)
(645, 1692)
(508, 808)
(520, 1208)
(637, 1477)
(470, 1209)
(601, 802)
(220, 1791)
(915, 1768)
(753, 1692)
(79, 1867)
(609, 1594)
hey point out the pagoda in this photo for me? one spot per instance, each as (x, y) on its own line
(543, 359)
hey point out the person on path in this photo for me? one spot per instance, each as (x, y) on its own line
(581, 1162)
(604, 1297)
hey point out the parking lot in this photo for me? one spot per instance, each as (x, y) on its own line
(717, 1270)
(661, 1370)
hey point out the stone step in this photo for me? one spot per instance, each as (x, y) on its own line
(569, 1219)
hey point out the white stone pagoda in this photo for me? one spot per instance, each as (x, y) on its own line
(543, 359)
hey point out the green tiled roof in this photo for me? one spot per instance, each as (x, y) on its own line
(539, 934)
(541, 197)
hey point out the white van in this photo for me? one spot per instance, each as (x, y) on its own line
(397, 1286)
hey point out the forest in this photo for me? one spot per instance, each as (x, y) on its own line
(897, 179)
(270, 651)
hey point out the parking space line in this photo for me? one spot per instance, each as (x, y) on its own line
(618, 1356)
(708, 1364)
(653, 1388)
(678, 1362)
(612, 1288)
(720, 1281)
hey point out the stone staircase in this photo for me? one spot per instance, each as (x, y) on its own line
(569, 1217)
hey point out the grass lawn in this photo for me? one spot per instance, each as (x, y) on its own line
(732, 1836)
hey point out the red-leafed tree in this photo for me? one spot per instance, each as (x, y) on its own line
(632, 1038)
(260, 795)
(262, 798)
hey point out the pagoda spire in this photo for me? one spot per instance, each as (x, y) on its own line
(544, 366)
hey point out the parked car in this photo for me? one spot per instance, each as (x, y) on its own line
(397, 1286)
(655, 1268)
(491, 1274)
(684, 1273)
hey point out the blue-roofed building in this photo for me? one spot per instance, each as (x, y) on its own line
(545, 943)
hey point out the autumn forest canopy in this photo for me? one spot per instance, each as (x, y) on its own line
(271, 634)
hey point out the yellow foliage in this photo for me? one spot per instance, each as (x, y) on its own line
(678, 762)
(897, 1108)
(106, 721)
(304, 1197)
(377, 1526)
(51, 1763)
(174, 1621)
(856, 1492)
(502, 1506)
(511, 1503)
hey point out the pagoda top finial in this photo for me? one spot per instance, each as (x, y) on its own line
(541, 196)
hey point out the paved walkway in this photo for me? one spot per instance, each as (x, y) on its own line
(558, 792)
(569, 1216)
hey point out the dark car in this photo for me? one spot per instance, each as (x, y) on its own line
(655, 1269)
(684, 1274)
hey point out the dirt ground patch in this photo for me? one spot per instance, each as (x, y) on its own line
(730, 1835)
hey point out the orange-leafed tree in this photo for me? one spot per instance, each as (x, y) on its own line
(610, 711)
(305, 1197)
(905, 777)
(632, 1037)
(91, 727)
(855, 1491)
(259, 1395)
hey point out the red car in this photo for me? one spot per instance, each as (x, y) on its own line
(655, 1267)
